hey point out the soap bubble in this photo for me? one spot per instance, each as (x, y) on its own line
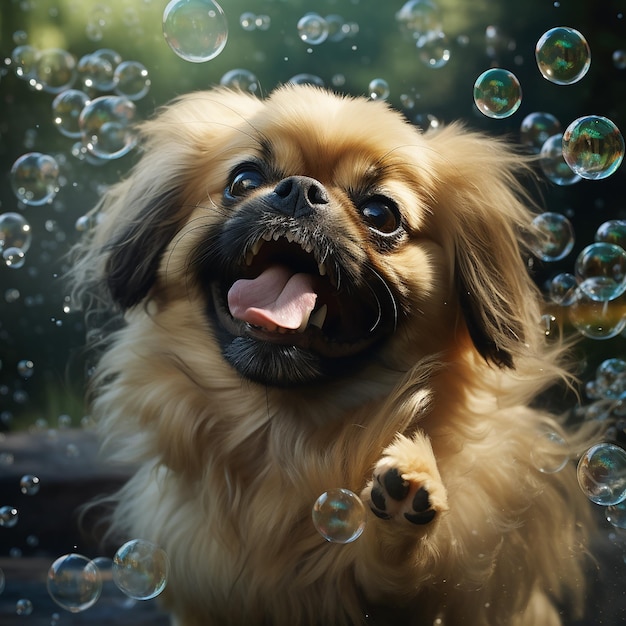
(14, 231)
(610, 381)
(29, 485)
(553, 164)
(35, 178)
(536, 128)
(8, 516)
(612, 231)
(196, 30)
(563, 289)
(25, 368)
(105, 125)
(339, 516)
(247, 21)
(594, 319)
(74, 582)
(66, 108)
(55, 70)
(549, 453)
(337, 27)
(13, 258)
(593, 147)
(140, 569)
(602, 474)
(241, 79)
(419, 17)
(551, 236)
(24, 60)
(619, 59)
(306, 79)
(497, 93)
(563, 55)
(601, 271)
(616, 515)
(23, 606)
(131, 80)
(312, 29)
(97, 69)
(378, 89)
(434, 49)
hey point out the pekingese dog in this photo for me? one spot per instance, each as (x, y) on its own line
(317, 295)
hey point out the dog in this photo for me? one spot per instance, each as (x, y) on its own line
(316, 294)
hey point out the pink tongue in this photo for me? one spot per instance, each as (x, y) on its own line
(277, 298)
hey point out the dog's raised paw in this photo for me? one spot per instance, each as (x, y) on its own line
(414, 496)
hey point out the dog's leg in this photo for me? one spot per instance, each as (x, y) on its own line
(406, 485)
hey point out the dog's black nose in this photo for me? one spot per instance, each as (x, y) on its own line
(299, 196)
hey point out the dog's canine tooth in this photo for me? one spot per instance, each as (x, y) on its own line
(256, 246)
(249, 258)
(318, 318)
(321, 268)
(289, 236)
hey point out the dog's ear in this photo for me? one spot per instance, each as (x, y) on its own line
(484, 211)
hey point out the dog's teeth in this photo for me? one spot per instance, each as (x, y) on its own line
(321, 268)
(308, 248)
(276, 236)
(256, 246)
(318, 318)
(249, 258)
(289, 236)
(267, 237)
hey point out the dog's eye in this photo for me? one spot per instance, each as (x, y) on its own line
(245, 181)
(380, 214)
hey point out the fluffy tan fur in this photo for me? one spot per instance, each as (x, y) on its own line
(229, 469)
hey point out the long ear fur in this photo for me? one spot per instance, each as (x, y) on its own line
(484, 209)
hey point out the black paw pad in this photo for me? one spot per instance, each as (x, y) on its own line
(422, 514)
(395, 485)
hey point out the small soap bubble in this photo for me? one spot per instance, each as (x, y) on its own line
(616, 515)
(551, 236)
(8, 516)
(14, 258)
(419, 17)
(553, 163)
(563, 289)
(593, 147)
(339, 516)
(312, 29)
(24, 61)
(140, 569)
(602, 474)
(55, 70)
(196, 30)
(434, 49)
(96, 70)
(611, 378)
(263, 22)
(241, 79)
(131, 80)
(74, 582)
(549, 453)
(35, 178)
(29, 485)
(497, 93)
(536, 128)
(247, 21)
(25, 368)
(594, 319)
(106, 126)
(66, 108)
(619, 59)
(563, 55)
(378, 89)
(601, 271)
(23, 606)
(612, 231)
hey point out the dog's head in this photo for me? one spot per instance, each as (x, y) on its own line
(314, 234)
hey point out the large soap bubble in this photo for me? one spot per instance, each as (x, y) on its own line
(140, 569)
(497, 93)
(602, 474)
(196, 30)
(601, 271)
(563, 55)
(35, 178)
(66, 109)
(551, 236)
(74, 582)
(15, 231)
(553, 164)
(339, 516)
(536, 128)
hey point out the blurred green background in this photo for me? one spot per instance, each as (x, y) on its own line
(36, 323)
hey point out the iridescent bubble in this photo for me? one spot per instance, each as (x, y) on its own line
(419, 17)
(549, 453)
(601, 271)
(616, 515)
(612, 231)
(537, 128)
(74, 582)
(619, 59)
(339, 516)
(29, 485)
(24, 61)
(23, 606)
(610, 379)
(596, 320)
(196, 30)
(13, 258)
(106, 126)
(140, 569)
(14, 231)
(551, 236)
(35, 178)
(553, 164)
(131, 80)
(602, 474)
(497, 93)
(312, 29)
(378, 89)
(563, 289)
(593, 147)
(55, 70)
(434, 49)
(8, 516)
(241, 79)
(66, 108)
(563, 55)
